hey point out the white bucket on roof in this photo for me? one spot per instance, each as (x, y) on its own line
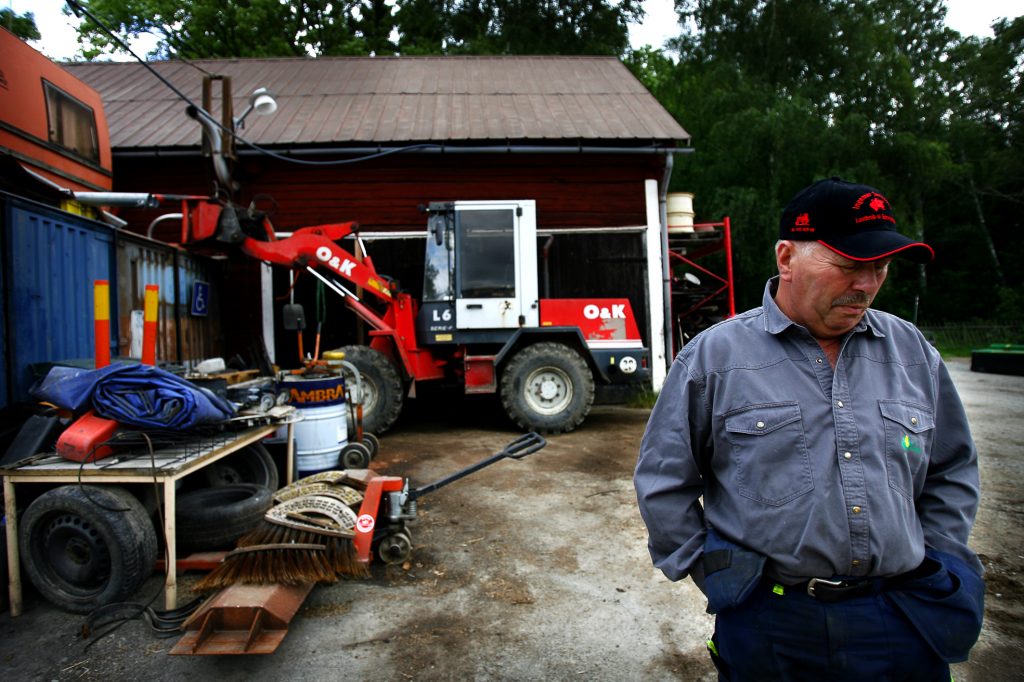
(679, 208)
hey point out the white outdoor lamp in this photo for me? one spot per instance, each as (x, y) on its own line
(262, 102)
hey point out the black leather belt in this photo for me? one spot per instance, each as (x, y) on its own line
(830, 591)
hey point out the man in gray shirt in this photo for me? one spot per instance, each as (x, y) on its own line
(838, 474)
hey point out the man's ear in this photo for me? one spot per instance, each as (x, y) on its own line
(785, 252)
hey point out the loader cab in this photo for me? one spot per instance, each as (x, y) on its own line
(480, 271)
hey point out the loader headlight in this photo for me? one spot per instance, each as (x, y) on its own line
(627, 365)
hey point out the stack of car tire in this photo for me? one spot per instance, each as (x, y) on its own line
(83, 546)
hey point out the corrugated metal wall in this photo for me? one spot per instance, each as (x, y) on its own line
(50, 260)
(183, 337)
(49, 263)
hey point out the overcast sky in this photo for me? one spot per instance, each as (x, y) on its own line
(969, 17)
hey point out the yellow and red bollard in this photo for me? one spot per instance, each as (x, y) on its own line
(149, 318)
(101, 321)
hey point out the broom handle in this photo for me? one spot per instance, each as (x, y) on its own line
(527, 444)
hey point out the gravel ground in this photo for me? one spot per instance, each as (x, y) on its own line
(528, 570)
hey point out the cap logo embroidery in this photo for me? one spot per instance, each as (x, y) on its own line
(803, 223)
(877, 203)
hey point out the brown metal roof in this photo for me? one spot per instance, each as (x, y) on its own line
(352, 100)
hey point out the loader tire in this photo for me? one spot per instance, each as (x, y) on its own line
(84, 546)
(548, 388)
(382, 388)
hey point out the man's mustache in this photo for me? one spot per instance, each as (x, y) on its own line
(853, 299)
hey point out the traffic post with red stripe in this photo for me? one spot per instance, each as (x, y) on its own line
(101, 321)
(149, 319)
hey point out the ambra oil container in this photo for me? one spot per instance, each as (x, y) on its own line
(322, 430)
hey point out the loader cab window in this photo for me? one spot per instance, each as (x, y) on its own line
(486, 253)
(71, 124)
(437, 269)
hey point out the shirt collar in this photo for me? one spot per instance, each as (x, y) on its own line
(776, 322)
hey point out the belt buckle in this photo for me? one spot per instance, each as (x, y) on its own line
(814, 582)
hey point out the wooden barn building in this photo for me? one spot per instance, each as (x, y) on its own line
(376, 139)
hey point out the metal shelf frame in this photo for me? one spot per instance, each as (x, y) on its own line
(687, 248)
(169, 465)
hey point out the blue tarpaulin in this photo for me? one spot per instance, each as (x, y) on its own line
(137, 395)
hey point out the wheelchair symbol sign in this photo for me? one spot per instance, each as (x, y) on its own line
(200, 298)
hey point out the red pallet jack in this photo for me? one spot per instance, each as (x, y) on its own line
(388, 503)
(253, 619)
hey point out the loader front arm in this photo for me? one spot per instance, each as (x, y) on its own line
(316, 247)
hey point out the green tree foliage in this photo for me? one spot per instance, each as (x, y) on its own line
(244, 28)
(541, 26)
(21, 25)
(272, 28)
(778, 93)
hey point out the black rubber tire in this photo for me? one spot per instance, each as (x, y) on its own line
(355, 456)
(395, 548)
(80, 553)
(214, 518)
(383, 392)
(372, 443)
(252, 464)
(548, 388)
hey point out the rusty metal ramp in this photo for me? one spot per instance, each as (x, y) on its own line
(242, 619)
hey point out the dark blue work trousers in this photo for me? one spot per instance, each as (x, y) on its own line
(793, 636)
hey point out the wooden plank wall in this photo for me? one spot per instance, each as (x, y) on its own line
(575, 190)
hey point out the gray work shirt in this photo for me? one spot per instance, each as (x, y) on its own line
(846, 472)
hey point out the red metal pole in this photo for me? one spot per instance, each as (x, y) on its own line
(728, 265)
(149, 318)
(101, 321)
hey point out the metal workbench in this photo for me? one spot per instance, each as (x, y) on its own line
(164, 467)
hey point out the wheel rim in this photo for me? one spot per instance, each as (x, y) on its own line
(355, 456)
(369, 395)
(548, 390)
(225, 474)
(395, 548)
(75, 554)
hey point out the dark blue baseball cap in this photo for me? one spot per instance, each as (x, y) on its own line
(855, 221)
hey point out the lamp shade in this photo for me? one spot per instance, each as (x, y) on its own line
(263, 102)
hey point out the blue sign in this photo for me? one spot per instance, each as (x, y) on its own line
(200, 298)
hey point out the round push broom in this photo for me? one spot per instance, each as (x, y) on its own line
(306, 538)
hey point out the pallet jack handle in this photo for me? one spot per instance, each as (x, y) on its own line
(527, 444)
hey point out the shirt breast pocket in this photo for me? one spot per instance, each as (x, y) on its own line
(769, 451)
(908, 439)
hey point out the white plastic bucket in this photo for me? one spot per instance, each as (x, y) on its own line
(322, 430)
(679, 209)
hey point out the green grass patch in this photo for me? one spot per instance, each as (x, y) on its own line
(643, 400)
(958, 340)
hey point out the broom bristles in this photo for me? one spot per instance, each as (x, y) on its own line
(285, 564)
(341, 552)
(271, 553)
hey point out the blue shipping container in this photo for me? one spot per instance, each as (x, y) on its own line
(50, 260)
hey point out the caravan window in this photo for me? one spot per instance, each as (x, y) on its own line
(71, 123)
